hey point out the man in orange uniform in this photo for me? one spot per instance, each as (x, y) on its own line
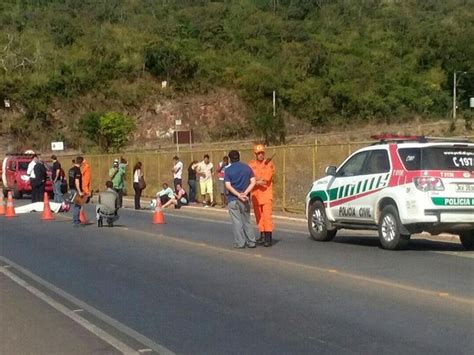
(262, 194)
(86, 179)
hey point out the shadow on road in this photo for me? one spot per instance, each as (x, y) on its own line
(415, 244)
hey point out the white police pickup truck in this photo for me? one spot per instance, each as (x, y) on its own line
(398, 186)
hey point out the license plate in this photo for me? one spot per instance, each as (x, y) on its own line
(464, 187)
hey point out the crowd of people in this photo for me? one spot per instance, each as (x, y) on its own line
(241, 187)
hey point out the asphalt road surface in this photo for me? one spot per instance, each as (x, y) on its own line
(181, 288)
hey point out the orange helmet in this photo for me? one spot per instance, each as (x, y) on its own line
(259, 148)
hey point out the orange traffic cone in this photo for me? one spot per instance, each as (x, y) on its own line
(2, 204)
(83, 217)
(158, 216)
(10, 212)
(47, 214)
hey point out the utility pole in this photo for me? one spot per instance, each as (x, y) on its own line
(274, 103)
(454, 97)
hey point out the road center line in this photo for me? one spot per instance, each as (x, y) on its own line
(95, 312)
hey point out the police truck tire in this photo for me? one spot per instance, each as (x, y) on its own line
(467, 239)
(389, 230)
(17, 194)
(318, 223)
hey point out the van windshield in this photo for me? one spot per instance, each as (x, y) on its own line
(23, 165)
(438, 158)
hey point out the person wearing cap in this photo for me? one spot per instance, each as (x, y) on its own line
(239, 182)
(116, 175)
(177, 172)
(262, 194)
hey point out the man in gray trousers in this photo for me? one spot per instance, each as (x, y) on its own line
(108, 205)
(239, 181)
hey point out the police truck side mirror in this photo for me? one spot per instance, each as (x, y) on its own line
(331, 170)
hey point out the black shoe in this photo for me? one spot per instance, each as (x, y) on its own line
(268, 239)
(260, 240)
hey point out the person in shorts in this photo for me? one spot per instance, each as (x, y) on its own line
(205, 170)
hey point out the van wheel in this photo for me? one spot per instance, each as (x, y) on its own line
(389, 230)
(467, 239)
(17, 194)
(318, 223)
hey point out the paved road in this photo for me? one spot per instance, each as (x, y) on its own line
(180, 287)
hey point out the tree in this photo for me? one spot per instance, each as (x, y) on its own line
(114, 130)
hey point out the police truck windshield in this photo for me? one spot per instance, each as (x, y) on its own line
(438, 158)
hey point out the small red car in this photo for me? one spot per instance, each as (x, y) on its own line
(15, 178)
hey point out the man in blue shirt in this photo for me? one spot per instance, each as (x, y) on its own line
(239, 181)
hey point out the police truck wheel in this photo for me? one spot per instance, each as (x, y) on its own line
(318, 223)
(17, 194)
(389, 230)
(467, 239)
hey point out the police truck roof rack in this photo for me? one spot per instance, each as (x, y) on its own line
(397, 138)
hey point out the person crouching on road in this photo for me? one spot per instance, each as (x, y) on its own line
(262, 194)
(239, 181)
(108, 205)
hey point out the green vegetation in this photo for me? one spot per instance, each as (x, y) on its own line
(330, 61)
(109, 131)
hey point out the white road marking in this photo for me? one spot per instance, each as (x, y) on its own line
(78, 310)
(102, 316)
(117, 344)
(141, 351)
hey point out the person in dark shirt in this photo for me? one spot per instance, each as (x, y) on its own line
(40, 181)
(56, 177)
(192, 181)
(75, 185)
(239, 181)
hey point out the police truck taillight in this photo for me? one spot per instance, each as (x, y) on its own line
(429, 183)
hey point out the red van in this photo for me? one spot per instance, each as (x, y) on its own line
(15, 178)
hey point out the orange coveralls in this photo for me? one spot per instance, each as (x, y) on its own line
(86, 178)
(262, 195)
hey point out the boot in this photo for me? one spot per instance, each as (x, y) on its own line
(268, 239)
(260, 240)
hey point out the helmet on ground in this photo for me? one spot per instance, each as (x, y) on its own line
(259, 148)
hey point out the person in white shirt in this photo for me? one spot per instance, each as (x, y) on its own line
(30, 171)
(177, 171)
(205, 170)
(137, 175)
